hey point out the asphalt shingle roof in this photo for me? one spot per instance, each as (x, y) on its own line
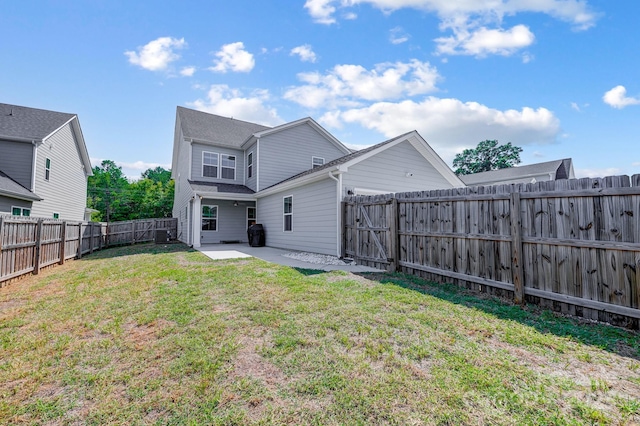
(213, 128)
(29, 123)
(200, 186)
(514, 173)
(10, 188)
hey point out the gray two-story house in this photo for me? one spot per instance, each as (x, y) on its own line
(44, 164)
(291, 178)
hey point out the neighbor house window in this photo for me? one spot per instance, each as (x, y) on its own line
(250, 165)
(228, 163)
(47, 168)
(209, 164)
(288, 213)
(56, 215)
(19, 211)
(209, 218)
(317, 162)
(251, 216)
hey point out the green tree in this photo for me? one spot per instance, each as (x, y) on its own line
(488, 155)
(105, 192)
(158, 174)
(152, 196)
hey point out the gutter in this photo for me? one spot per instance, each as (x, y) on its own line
(338, 215)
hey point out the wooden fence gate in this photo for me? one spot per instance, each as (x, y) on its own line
(370, 231)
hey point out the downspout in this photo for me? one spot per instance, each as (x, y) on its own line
(338, 215)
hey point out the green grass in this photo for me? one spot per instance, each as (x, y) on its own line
(163, 335)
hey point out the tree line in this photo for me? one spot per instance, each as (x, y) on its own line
(116, 198)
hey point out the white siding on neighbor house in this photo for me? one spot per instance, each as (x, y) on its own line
(196, 163)
(183, 191)
(387, 172)
(65, 192)
(251, 181)
(15, 161)
(288, 152)
(314, 218)
(232, 222)
(6, 203)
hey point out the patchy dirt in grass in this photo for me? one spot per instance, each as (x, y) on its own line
(142, 335)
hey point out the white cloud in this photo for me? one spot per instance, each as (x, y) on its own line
(484, 41)
(595, 173)
(305, 52)
(187, 71)
(233, 57)
(397, 35)
(575, 107)
(157, 54)
(228, 102)
(617, 98)
(476, 24)
(451, 125)
(348, 85)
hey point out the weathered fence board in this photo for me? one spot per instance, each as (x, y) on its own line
(29, 244)
(570, 245)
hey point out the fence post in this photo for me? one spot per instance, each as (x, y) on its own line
(63, 242)
(394, 244)
(133, 232)
(91, 237)
(36, 261)
(80, 240)
(516, 247)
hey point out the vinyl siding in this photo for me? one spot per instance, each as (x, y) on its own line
(314, 218)
(15, 161)
(232, 222)
(252, 181)
(387, 171)
(288, 152)
(65, 192)
(6, 203)
(196, 163)
(183, 191)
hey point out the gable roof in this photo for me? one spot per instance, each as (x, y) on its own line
(11, 188)
(355, 157)
(204, 127)
(559, 169)
(36, 125)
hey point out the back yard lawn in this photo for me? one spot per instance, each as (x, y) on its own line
(163, 335)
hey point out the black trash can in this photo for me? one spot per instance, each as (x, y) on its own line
(255, 233)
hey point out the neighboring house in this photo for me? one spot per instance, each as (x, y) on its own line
(290, 178)
(44, 164)
(532, 173)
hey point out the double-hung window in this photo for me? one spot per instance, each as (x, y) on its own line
(228, 166)
(209, 218)
(250, 165)
(209, 164)
(287, 210)
(19, 211)
(47, 168)
(317, 162)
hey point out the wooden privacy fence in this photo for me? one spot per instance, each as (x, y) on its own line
(29, 244)
(571, 245)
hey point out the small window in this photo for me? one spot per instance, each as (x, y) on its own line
(251, 216)
(209, 164)
(317, 162)
(209, 218)
(47, 168)
(250, 165)
(56, 215)
(19, 211)
(288, 213)
(228, 163)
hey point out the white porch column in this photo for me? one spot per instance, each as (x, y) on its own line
(197, 221)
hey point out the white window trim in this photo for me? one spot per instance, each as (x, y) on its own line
(256, 215)
(22, 209)
(285, 214)
(47, 169)
(218, 166)
(313, 158)
(217, 217)
(250, 165)
(54, 215)
(235, 165)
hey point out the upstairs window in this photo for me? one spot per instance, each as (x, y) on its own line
(317, 162)
(228, 163)
(47, 168)
(250, 165)
(287, 210)
(209, 164)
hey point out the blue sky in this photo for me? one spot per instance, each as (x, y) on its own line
(556, 77)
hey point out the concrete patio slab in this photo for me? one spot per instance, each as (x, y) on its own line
(273, 255)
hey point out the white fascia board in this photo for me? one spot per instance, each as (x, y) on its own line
(224, 196)
(310, 178)
(10, 194)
